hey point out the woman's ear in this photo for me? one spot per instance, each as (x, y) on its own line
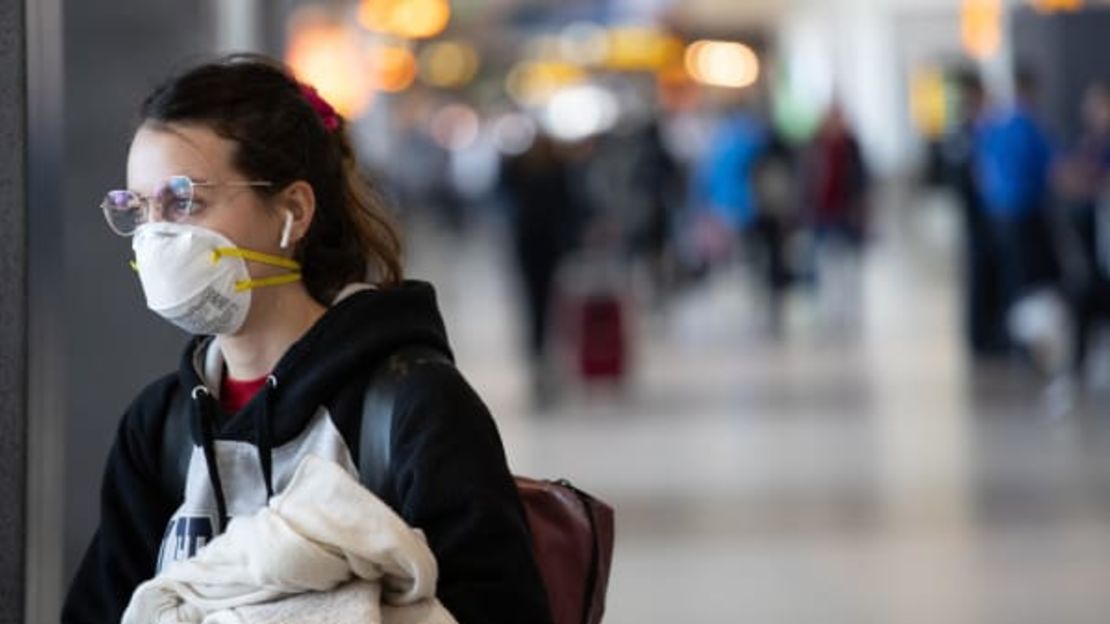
(297, 204)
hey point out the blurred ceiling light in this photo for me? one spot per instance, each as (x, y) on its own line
(584, 43)
(455, 127)
(641, 49)
(392, 68)
(1057, 6)
(981, 27)
(722, 63)
(532, 83)
(326, 54)
(514, 133)
(411, 19)
(579, 112)
(448, 64)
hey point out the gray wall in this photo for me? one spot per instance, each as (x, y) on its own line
(114, 53)
(13, 302)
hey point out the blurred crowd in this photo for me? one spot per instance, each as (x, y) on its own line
(1037, 227)
(603, 200)
(650, 207)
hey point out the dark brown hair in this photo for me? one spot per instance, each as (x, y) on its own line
(254, 101)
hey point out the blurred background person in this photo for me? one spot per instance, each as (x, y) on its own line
(1013, 159)
(659, 175)
(774, 182)
(638, 183)
(723, 200)
(545, 217)
(984, 322)
(836, 185)
(1081, 180)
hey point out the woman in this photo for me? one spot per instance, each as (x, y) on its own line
(253, 230)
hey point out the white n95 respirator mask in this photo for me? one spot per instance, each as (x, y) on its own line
(197, 278)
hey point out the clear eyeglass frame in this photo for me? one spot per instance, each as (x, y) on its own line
(126, 210)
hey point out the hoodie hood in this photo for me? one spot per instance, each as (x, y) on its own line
(362, 328)
(346, 344)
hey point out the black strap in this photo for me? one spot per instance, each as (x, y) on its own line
(376, 427)
(177, 445)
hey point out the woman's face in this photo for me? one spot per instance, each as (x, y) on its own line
(194, 150)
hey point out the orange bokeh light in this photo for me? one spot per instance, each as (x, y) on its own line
(1057, 6)
(411, 19)
(448, 64)
(392, 68)
(981, 27)
(722, 63)
(326, 54)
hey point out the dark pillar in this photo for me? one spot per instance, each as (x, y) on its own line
(13, 309)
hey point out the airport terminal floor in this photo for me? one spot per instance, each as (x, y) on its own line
(830, 475)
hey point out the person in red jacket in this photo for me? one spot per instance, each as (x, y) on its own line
(835, 194)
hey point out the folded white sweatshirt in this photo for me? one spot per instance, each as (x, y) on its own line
(323, 531)
(353, 602)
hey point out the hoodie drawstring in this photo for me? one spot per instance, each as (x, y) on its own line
(202, 429)
(262, 431)
(202, 426)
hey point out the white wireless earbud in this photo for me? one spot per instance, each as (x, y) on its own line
(287, 229)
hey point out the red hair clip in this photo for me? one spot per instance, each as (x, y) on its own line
(327, 114)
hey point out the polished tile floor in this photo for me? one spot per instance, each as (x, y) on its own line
(835, 474)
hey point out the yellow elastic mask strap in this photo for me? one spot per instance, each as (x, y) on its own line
(264, 258)
(255, 256)
(276, 280)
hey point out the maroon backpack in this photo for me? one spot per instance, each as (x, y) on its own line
(572, 532)
(572, 538)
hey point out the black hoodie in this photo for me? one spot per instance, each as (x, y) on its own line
(447, 475)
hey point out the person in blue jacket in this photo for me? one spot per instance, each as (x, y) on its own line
(1013, 159)
(722, 178)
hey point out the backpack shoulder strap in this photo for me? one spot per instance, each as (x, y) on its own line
(376, 427)
(177, 445)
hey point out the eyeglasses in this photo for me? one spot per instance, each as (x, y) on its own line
(175, 198)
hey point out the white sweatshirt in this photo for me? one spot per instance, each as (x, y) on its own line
(324, 533)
